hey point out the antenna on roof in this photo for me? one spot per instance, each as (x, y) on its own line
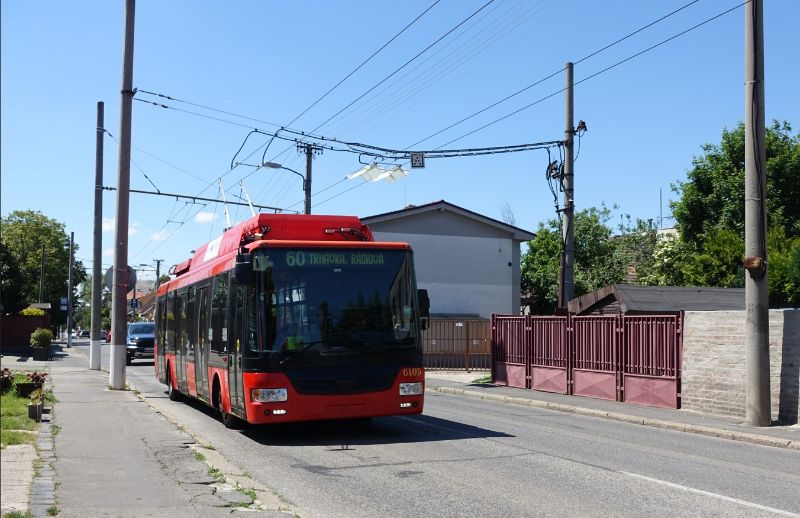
(252, 210)
(225, 204)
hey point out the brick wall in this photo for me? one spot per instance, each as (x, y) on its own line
(713, 376)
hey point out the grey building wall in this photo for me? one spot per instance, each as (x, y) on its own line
(713, 367)
(463, 275)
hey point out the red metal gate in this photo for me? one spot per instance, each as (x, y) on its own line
(550, 355)
(510, 351)
(596, 357)
(635, 359)
(651, 364)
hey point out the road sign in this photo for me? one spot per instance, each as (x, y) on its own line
(134, 304)
(108, 278)
(417, 160)
(64, 303)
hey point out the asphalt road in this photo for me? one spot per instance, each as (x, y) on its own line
(466, 457)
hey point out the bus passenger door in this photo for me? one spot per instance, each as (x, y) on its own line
(201, 351)
(180, 341)
(235, 344)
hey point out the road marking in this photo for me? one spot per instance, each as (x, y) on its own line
(714, 495)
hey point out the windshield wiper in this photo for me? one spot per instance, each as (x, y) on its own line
(299, 351)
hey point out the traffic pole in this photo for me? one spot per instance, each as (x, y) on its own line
(97, 257)
(119, 309)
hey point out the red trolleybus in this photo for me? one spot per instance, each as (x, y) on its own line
(291, 318)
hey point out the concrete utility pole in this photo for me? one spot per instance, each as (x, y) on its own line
(755, 222)
(568, 245)
(119, 310)
(69, 289)
(97, 256)
(41, 278)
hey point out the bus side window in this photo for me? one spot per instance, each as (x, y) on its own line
(219, 306)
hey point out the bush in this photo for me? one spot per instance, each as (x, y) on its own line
(32, 312)
(41, 338)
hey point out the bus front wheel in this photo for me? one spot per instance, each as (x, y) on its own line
(229, 420)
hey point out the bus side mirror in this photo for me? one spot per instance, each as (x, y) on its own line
(424, 308)
(243, 271)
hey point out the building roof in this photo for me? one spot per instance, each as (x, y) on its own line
(662, 298)
(441, 205)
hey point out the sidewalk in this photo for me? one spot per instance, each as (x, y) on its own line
(113, 455)
(460, 383)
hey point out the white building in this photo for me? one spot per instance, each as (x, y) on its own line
(469, 263)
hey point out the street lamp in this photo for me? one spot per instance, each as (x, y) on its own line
(306, 183)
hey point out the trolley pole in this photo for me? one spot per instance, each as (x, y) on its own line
(119, 310)
(757, 392)
(97, 256)
(568, 246)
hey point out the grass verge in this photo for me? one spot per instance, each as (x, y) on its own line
(15, 425)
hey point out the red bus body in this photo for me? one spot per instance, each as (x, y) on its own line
(209, 347)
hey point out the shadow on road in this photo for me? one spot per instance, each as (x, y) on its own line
(378, 430)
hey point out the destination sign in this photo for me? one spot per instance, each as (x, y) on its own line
(300, 258)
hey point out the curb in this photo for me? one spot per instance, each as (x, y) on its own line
(761, 440)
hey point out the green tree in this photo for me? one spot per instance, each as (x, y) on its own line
(11, 300)
(784, 269)
(540, 270)
(718, 262)
(24, 232)
(597, 262)
(712, 198)
(710, 217)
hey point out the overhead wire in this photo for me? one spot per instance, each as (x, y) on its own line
(405, 82)
(417, 80)
(334, 87)
(602, 71)
(538, 82)
(401, 67)
(555, 73)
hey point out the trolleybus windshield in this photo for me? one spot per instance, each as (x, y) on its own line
(317, 306)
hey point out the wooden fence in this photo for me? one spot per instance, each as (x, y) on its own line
(450, 344)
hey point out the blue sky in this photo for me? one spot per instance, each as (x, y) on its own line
(271, 60)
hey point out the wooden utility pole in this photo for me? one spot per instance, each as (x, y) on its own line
(97, 256)
(119, 309)
(757, 400)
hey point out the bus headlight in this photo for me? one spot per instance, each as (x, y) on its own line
(411, 389)
(269, 395)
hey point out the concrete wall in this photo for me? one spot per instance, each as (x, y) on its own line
(463, 274)
(713, 377)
